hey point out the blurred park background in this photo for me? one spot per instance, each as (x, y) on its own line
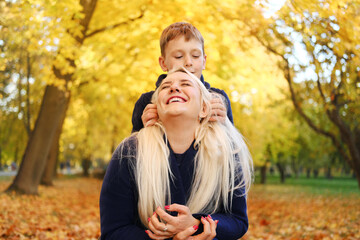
(71, 72)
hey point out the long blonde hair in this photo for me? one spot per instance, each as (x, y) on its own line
(222, 164)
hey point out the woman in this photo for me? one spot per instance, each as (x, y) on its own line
(184, 178)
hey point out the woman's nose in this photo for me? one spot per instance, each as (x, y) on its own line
(174, 88)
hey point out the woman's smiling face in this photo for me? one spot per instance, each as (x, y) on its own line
(179, 94)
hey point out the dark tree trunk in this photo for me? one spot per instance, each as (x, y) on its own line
(328, 173)
(282, 172)
(86, 164)
(263, 170)
(316, 173)
(51, 162)
(308, 172)
(53, 109)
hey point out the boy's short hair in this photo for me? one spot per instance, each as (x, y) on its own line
(180, 29)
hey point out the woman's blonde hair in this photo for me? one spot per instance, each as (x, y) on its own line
(222, 164)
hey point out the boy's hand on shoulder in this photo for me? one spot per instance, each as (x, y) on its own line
(218, 109)
(150, 115)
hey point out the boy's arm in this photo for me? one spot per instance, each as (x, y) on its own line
(140, 105)
(227, 101)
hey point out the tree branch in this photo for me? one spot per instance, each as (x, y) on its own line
(309, 121)
(100, 30)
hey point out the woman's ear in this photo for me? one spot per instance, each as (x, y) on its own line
(205, 110)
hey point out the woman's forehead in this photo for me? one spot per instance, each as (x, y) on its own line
(177, 76)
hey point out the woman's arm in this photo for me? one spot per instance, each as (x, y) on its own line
(118, 206)
(235, 224)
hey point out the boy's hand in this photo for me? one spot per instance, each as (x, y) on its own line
(218, 109)
(150, 115)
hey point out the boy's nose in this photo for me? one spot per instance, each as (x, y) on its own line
(188, 62)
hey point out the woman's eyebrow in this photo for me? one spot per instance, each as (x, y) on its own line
(186, 80)
(165, 83)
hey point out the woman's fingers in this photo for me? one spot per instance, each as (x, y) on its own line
(209, 226)
(185, 235)
(181, 209)
(164, 216)
(154, 236)
(159, 228)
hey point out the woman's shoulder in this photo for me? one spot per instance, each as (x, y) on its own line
(127, 147)
(123, 158)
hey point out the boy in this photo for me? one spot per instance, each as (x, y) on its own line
(181, 44)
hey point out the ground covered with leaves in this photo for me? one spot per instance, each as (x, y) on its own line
(70, 210)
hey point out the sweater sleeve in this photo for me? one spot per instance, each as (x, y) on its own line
(235, 224)
(231, 226)
(139, 107)
(118, 208)
(227, 100)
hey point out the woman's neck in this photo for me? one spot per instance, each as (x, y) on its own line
(180, 133)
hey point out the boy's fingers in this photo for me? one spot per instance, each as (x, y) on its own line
(150, 122)
(218, 112)
(218, 108)
(150, 106)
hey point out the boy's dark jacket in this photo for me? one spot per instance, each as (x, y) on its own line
(145, 99)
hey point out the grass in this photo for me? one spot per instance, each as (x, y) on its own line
(320, 185)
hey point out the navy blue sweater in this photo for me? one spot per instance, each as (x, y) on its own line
(119, 197)
(145, 99)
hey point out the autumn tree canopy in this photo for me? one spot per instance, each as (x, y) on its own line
(71, 72)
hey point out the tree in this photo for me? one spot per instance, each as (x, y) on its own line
(52, 112)
(325, 32)
(101, 56)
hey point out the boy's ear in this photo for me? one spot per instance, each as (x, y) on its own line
(162, 64)
(204, 62)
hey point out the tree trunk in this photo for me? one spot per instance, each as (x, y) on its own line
(50, 167)
(308, 171)
(53, 109)
(328, 173)
(51, 162)
(282, 172)
(316, 173)
(86, 164)
(263, 174)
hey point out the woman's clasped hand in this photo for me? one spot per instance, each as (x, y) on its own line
(162, 225)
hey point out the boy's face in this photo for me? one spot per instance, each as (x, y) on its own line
(181, 53)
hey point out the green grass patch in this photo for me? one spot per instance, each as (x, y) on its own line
(320, 185)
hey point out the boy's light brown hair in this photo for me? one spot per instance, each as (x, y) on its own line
(180, 29)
